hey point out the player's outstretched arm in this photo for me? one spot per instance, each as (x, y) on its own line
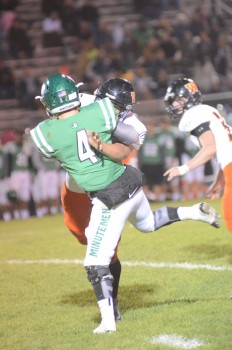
(207, 151)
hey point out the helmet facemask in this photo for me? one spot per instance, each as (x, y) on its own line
(186, 93)
(120, 92)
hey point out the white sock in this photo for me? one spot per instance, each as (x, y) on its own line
(107, 313)
(185, 213)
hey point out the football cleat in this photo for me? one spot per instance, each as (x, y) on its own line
(208, 214)
(117, 314)
(102, 329)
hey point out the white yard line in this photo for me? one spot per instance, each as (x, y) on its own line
(176, 341)
(185, 265)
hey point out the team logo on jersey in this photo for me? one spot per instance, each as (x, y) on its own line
(192, 87)
(74, 125)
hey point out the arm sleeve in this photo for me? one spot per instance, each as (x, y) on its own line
(200, 129)
(126, 134)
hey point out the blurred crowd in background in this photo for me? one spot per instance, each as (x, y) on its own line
(164, 43)
(147, 52)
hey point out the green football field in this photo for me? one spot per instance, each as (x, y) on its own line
(174, 292)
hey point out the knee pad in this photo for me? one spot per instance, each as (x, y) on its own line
(101, 280)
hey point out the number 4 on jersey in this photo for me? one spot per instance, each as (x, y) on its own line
(83, 148)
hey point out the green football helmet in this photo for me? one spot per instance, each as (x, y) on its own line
(59, 93)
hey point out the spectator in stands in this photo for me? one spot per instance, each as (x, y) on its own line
(7, 81)
(47, 7)
(89, 12)
(7, 14)
(52, 30)
(157, 62)
(181, 26)
(130, 48)
(204, 47)
(87, 54)
(19, 42)
(199, 20)
(118, 31)
(99, 67)
(222, 54)
(104, 37)
(204, 68)
(3, 44)
(27, 87)
(170, 5)
(84, 34)
(170, 45)
(188, 52)
(142, 83)
(142, 33)
(70, 18)
(160, 84)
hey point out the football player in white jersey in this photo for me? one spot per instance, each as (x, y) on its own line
(76, 204)
(208, 128)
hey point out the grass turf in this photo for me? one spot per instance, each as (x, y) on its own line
(52, 306)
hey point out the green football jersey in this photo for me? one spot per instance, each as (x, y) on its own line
(150, 152)
(66, 140)
(20, 159)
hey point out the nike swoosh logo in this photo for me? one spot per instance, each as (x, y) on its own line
(131, 194)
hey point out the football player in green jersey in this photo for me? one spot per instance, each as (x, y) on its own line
(73, 136)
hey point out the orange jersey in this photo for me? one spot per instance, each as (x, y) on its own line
(76, 212)
(227, 196)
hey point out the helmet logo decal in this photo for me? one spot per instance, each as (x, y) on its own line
(61, 94)
(132, 97)
(74, 125)
(72, 96)
(192, 87)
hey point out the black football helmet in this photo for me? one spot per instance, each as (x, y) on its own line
(120, 92)
(184, 90)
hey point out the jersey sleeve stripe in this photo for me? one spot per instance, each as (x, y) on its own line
(112, 112)
(104, 111)
(109, 113)
(34, 137)
(43, 141)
